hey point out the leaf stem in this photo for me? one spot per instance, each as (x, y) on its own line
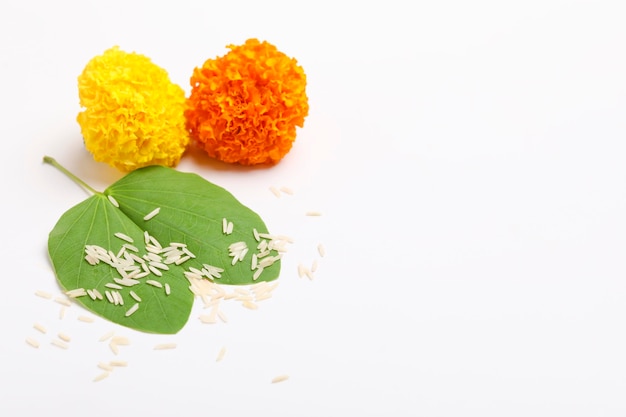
(54, 163)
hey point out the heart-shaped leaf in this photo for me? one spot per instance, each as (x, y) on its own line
(128, 253)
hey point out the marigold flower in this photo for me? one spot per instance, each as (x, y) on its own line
(244, 107)
(133, 114)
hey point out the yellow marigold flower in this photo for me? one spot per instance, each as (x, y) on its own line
(244, 107)
(133, 114)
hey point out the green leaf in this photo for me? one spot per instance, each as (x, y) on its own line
(109, 237)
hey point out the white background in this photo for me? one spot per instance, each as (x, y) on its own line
(468, 158)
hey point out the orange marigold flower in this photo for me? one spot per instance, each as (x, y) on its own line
(133, 114)
(244, 107)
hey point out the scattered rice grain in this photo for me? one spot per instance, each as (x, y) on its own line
(64, 337)
(102, 376)
(105, 366)
(43, 294)
(321, 250)
(40, 328)
(286, 190)
(77, 292)
(60, 344)
(249, 304)
(86, 319)
(134, 295)
(63, 301)
(222, 316)
(113, 286)
(163, 346)
(113, 201)
(159, 265)
(188, 252)
(132, 309)
(167, 289)
(123, 236)
(220, 354)
(152, 214)
(313, 213)
(130, 247)
(257, 273)
(301, 270)
(275, 191)
(309, 274)
(155, 271)
(126, 282)
(263, 297)
(182, 259)
(207, 319)
(280, 378)
(120, 340)
(32, 342)
(117, 297)
(154, 242)
(118, 363)
(106, 336)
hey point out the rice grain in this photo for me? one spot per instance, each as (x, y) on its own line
(86, 319)
(222, 316)
(286, 190)
(113, 286)
(123, 236)
(280, 378)
(78, 292)
(64, 337)
(40, 328)
(257, 273)
(249, 304)
(32, 342)
(275, 191)
(63, 301)
(60, 344)
(220, 354)
(132, 309)
(43, 294)
(207, 319)
(105, 366)
(102, 376)
(164, 346)
(113, 201)
(152, 214)
(106, 336)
